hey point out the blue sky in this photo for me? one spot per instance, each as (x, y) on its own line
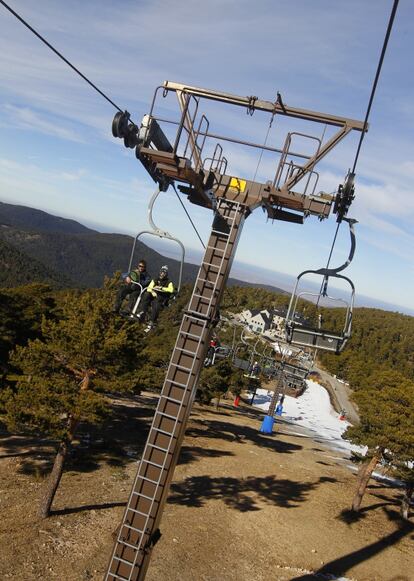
(57, 152)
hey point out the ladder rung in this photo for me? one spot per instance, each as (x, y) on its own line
(166, 450)
(137, 512)
(205, 281)
(143, 496)
(194, 319)
(210, 264)
(219, 232)
(123, 561)
(191, 335)
(156, 482)
(181, 367)
(173, 399)
(122, 542)
(160, 466)
(116, 576)
(169, 416)
(193, 311)
(185, 351)
(132, 528)
(214, 249)
(178, 384)
(201, 297)
(169, 434)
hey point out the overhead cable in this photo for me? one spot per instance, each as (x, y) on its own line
(374, 86)
(60, 55)
(188, 216)
(371, 99)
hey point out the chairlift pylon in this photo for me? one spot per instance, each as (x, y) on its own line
(300, 332)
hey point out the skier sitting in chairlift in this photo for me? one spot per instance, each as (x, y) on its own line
(156, 296)
(135, 282)
(255, 370)
(210, 356)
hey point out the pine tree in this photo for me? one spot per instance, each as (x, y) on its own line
(216, 380)
(21, 311)
(156, 348)
(80, 354)
(386, 410)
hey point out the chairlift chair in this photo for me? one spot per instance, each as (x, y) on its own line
(307, 335)
(238, 362)
(134, 312)
(296, 371)
(158, 233)
(221, 352)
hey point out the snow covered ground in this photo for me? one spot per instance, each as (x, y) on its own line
(313, 414)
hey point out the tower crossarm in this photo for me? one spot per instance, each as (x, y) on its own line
(192, 155)
(260, 105)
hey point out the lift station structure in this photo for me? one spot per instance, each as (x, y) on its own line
(184, 150)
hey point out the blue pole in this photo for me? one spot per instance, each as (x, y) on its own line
(267, 425)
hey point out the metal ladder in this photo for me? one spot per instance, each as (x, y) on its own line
(138, 531)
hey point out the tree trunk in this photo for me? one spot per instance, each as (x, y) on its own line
(405, 503)
(218, 399)
(53, 480)
(364, 475)
(55, 476)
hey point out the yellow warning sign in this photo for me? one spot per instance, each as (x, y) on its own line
(237, 185)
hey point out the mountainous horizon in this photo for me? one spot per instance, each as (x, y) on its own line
(74, 254)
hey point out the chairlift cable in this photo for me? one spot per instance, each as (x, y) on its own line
(375, 83)
(264, 144)
(60, 55)
(328, 262)
(188, 215)
(333, 245)
(374, 86)
(323, 133)
(371, 99)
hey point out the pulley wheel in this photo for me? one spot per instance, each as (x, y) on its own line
(120, 124)
(131, 137)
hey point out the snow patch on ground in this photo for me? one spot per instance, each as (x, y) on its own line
(313, 412)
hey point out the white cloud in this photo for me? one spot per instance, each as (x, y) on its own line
(43, 187)
(25, 118)
(73, 176)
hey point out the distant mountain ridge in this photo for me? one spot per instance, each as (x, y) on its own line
(77, 254)
(16, 268)
(86, 259)
(38, 220)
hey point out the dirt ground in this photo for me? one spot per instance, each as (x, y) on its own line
(243, 506)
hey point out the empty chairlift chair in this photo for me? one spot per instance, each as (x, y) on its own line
(303, 332)
(311, 332)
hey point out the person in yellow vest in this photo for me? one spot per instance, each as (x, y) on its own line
(157, 295)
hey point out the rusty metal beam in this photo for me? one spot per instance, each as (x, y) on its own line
(188, 124)
(310, 164)
(260, 105)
